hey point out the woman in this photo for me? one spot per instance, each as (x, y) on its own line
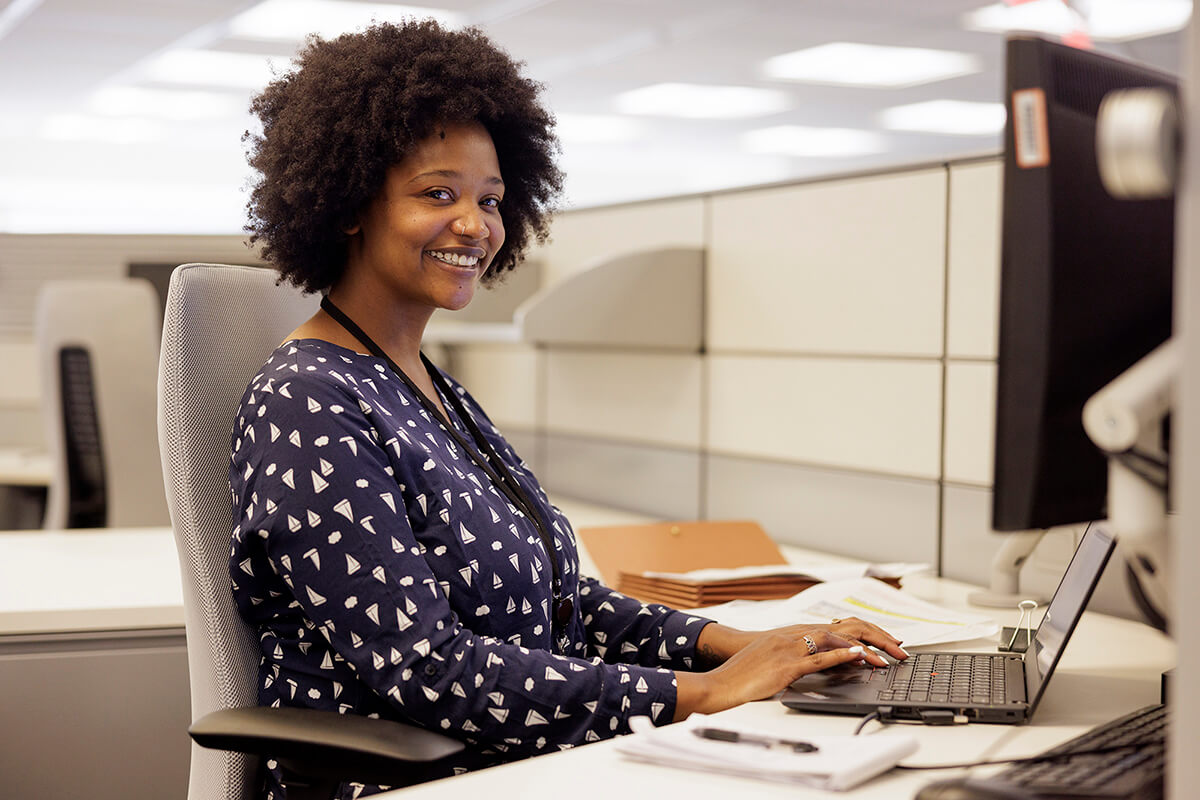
(394, 553)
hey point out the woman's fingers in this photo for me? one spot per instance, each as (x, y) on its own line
(854, 623)
(857, 629)
(842, 641)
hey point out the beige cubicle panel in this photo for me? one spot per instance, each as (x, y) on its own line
(848, 266)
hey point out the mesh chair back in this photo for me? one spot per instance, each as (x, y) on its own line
(221, 323)
(97, 343)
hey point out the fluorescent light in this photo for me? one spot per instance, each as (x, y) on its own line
(212, 68)
(596, 128)
(295, 19)
(956, 117)
(1102, 20)
(1112, 20)
(698, 101)
(1040, 16)
(80, 127)
(806, 142)
(852, 64)
(132, 101)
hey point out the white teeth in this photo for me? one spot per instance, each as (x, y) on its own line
(456, 260)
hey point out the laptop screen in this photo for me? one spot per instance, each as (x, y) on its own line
(1066, 607)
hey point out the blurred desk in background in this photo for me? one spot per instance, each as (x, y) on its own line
(24, 478)
(92, 644)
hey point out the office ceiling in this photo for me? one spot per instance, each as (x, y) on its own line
(76, 156)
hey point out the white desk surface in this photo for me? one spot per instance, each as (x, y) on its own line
(108, 579)
(23, 466)
(90, 579)
(1110, 667)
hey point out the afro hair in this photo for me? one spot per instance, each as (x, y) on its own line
(355, 105)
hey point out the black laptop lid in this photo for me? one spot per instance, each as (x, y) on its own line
(1066, 607)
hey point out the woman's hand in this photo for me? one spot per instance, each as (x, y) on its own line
(766, 665)
(717, 643)
(753, 665)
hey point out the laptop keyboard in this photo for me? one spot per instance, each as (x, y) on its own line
(948, 678)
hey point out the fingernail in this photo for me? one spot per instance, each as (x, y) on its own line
(902, 650)
(856, 649)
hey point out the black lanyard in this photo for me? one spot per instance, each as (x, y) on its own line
(483, 454)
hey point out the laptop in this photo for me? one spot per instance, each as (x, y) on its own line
(983, 687)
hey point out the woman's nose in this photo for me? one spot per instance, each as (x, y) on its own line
(470, 227)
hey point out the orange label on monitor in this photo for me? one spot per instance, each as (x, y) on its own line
(1031, 141)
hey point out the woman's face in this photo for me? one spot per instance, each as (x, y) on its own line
(435, 226)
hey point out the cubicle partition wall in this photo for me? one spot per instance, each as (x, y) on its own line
(843, 392)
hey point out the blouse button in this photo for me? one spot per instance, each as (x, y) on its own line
(431, 670)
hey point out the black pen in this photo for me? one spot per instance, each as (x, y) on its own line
(722, 735)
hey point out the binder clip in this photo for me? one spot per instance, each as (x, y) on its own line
(1018, 639)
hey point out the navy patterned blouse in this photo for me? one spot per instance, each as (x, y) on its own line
(387, 576)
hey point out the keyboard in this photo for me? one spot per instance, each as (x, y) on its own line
(1131, 768)
(948, 678)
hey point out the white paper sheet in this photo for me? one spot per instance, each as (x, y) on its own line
(840, 762)
(912, 620)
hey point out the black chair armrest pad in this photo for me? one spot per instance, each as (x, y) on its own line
(325, 742)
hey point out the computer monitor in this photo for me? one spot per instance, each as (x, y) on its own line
(1085, 282)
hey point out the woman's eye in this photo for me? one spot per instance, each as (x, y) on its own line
(491, 202)
(439, 194)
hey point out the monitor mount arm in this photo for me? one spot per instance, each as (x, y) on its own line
(1139, 148)
(1004, 580)
(1125, 420)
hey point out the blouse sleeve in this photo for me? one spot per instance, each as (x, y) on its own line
(624, 630)
(318, 502)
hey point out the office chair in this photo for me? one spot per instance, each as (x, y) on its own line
(97, 343)
(221, 323)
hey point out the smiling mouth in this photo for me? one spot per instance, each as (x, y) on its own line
(454, 259)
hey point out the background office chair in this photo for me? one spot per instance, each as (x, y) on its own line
(221, 323)
(97, 344)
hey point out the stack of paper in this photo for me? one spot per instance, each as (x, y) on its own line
(837, 763)
(906, 617)
(707, 587)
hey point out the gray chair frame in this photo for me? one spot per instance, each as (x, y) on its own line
(221, 323)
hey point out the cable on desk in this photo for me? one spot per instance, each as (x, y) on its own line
(929, 717)
(862, 723)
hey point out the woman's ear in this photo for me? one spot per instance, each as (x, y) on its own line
(353, 229)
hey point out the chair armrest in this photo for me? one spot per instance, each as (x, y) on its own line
(323, 743)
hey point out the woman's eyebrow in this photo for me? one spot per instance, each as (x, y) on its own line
(453, 174)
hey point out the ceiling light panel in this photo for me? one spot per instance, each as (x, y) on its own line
(596, 128)
(213, 68)
(1102, 20)
(854, 64)
(954, 117)
(86, 128)
(295, 19)
(181, 105)
(1038, 16)
(699, 101)
(808, 142)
